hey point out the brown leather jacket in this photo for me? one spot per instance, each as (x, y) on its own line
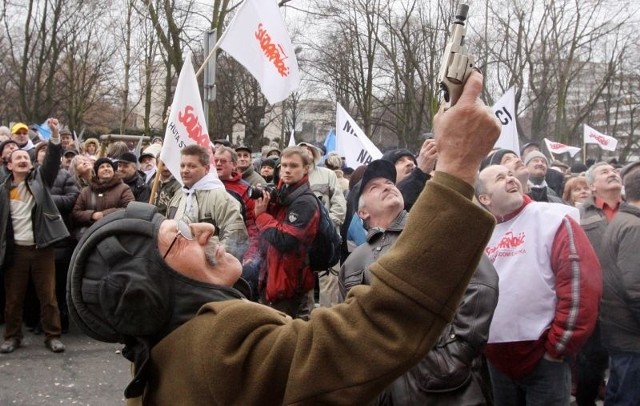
(104, 197)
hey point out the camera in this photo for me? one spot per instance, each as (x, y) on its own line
(255, 192)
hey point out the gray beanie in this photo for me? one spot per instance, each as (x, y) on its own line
(535, 154)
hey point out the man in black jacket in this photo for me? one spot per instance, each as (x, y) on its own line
(453, 371)
(134, 178)
(31, 224)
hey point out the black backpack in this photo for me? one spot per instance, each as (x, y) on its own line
(324, 252)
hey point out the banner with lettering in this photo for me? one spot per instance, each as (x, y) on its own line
(257, 38)
(505, 110)
(186, 125)
(558, 148)
(351, 141)
(605, 142)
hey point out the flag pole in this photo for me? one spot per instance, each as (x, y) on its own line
(217, 45)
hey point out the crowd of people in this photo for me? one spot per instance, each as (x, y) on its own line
(532, 311)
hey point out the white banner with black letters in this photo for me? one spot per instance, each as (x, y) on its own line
(505, 110)
(351, 141)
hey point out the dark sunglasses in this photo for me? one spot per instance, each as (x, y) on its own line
(182, 229)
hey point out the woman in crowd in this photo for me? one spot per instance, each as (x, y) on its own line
(105, 194)
(576, 191)
(81, 169)
(91, 147)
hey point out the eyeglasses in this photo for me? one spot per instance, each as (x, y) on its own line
(182, 229)
(222, 161)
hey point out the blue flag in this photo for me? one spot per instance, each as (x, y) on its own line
(44, 130)
(330, 142)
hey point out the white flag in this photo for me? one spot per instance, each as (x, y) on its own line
(558, 148)
(258, 39)
(186, 124)
(292, 140)
(351, 142)
(505, 110)
(592, 136)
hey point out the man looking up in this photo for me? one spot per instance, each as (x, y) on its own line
(595, 215)
(235, 352)
(620, 311)
(537, 165)
(550, 288)
(462, 381)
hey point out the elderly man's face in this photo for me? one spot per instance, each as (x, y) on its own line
(198, 258)
(381, 199)
(147, 163)
(224, 165)
(244, 159)
(605, 179)
(537, 167)
(126, 170)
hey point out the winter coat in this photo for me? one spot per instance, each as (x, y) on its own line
(103, 197)
(288, 228)
(452, 372)
(355, 270)
(48, 226)
(412, 186)
(594, 223)
(141, 190)
(620, 306)
(166, 191)
(243, 353)
(239, 189)
(253, 177)
(324, 184)
(219, 208)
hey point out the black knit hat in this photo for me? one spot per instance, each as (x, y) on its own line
(395, 154)
(268, 162)
(495, 157)
(101, 161)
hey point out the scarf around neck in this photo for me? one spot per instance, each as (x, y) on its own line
(208, 182)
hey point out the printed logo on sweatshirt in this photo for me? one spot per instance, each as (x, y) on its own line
(509, 245)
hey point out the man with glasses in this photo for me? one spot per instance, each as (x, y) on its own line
(228, 172)
(237, 352)
(203, 199)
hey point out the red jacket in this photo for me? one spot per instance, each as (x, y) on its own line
(578, 285)
(240, 187)
(288, 229)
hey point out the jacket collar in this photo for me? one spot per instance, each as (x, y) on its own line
(396, 226)
(525, 201)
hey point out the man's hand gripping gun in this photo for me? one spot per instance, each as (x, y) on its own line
(457, 64)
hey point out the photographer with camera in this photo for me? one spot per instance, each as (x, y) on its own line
(287, 219)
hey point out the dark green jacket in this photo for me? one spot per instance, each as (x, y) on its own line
(241, 353)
